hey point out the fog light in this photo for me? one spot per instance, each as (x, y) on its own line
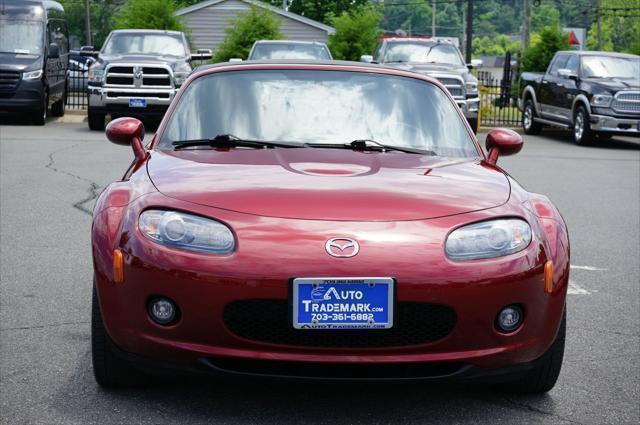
(163, 311)
(510, 318)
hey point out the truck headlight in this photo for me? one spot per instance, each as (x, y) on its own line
(32, 75)
(488, 239)
(186, 231)
(603, 100)
(472, 89)
(96, 75)
(180, 77)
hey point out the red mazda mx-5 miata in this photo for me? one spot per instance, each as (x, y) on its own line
(325, 221)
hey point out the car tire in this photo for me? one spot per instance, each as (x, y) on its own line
(57, 109)
(96, 121)
(582, 133)
(473, 122)
(41, 114)
(544, 375)
(109, 370)
(528, 115)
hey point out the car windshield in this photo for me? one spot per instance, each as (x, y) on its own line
(320, 107)
(417, 52)
(289, 51)
(611, 67)
(22, 37)
(145, 44)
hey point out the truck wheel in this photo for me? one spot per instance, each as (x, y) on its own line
(528, 114)
(473, 122)
(96, 121)
(544, 375)
(109, 370)
(582, 133)
(57, 109)
(40, 115)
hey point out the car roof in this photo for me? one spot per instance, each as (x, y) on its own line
(146, 31)
(598, 53)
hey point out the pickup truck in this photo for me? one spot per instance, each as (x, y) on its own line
(137, 72)
(595, 94)
(437, 57)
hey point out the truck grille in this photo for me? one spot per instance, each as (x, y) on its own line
(9, 80)
(627, 102)
(268, 321)
(454, 85)
(138, 77)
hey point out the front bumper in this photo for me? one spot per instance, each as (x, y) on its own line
(107, 99)
(469, 106)
(262, 267)
(618, 125)
(28, 95)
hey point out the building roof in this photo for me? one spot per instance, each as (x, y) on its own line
(281, 12)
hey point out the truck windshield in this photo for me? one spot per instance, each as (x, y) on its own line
(21, 37)
(423, 53)
(289, 51)
(144, 44)
(610, 67)
(319, 107)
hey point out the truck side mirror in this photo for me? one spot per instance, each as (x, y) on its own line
(54, 51)
(475, 63)
(201, 54)
(366, 58)
(88, 51)
(235, 60)
(566, 73)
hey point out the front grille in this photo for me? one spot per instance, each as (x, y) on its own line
(337, 370)
(269, 321)
(149, 77)
(9, 80)
(159, 95)
(454, 85)
(628, 102)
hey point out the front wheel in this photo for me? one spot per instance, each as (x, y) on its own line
(529, 125)
(544, 375)
(57, 109)
(40, 115)
(96, 120)
(473, 122)
(109, 370)
(582, 133)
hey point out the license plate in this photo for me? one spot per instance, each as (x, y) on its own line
(343, 303)
(137, 103)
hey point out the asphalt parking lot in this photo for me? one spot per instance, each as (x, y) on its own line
(50, 176)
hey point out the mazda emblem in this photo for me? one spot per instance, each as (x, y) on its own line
(342, 247)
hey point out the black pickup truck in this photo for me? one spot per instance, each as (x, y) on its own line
(596, 94)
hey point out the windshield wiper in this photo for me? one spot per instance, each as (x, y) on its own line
(370, 145)
(231, 141)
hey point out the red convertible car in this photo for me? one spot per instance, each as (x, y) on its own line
(324, 221)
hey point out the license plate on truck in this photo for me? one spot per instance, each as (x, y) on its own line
(137, 103)
(343, 303)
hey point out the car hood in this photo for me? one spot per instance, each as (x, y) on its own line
(329, 184)
(19, 62)
(614, 84)
(431, 68)
(172, 61)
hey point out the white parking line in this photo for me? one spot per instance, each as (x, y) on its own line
(588, 268)
(575, 289)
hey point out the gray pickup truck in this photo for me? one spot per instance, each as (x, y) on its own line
(138, 72)
(438, 58)
(596, 94)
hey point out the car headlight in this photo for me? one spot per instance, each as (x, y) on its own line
(32, 75)
(186, 231)
(488, 239)
(602, 100)
(96, 75)
(180, 77)
(472, 89)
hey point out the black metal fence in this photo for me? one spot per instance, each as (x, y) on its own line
(498, 96)
(77, 85)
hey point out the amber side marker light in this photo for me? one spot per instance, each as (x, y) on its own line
(118, 266)
(548, 277)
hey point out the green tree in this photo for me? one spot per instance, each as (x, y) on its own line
(496, 46)
(149, 14)
(356, 33)
(620, 28)
(540, 53)
(256, 24)
(543, 16)
(321, 10)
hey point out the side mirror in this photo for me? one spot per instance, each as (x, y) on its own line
(502, 141)
(235, 60)
(201, 54)
(54, 51)
(366, 58)
(128, 131)
(88, 51)
(475, 63)
(566, 73)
